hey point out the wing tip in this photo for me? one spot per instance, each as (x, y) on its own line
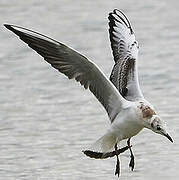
(12, 28)
(8, 26)
(115, 9)
(122, 17)
(20, 31)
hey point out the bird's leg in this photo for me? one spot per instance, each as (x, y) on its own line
(117, 172)
(132, 163)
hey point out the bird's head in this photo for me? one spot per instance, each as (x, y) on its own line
(152, 121)
(157, 125)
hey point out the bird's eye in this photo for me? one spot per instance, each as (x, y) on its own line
(158, 128)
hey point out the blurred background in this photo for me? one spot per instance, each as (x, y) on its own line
(47, 120)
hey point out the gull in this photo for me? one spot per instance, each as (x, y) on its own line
(127, 109)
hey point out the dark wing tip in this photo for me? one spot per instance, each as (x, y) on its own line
(122, 17)
(110, 14)
(116, 10)
(11, 28)
(8, 26)
(21, 32)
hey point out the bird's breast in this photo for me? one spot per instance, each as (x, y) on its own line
(127, 124)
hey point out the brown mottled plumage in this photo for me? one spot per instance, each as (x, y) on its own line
(147, 112)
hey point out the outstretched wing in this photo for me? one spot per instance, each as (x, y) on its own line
(74, 65)
(125, 51)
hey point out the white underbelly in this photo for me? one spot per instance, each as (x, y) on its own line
(126, 125)
(129, 132)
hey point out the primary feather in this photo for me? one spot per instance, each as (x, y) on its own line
(74, 66)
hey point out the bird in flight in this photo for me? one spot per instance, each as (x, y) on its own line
(121, 96)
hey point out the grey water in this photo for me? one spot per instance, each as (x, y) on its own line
(47, 120)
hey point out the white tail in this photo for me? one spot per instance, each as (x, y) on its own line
(105, 143)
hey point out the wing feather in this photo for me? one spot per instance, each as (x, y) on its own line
(125, 51)
(74, 66)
